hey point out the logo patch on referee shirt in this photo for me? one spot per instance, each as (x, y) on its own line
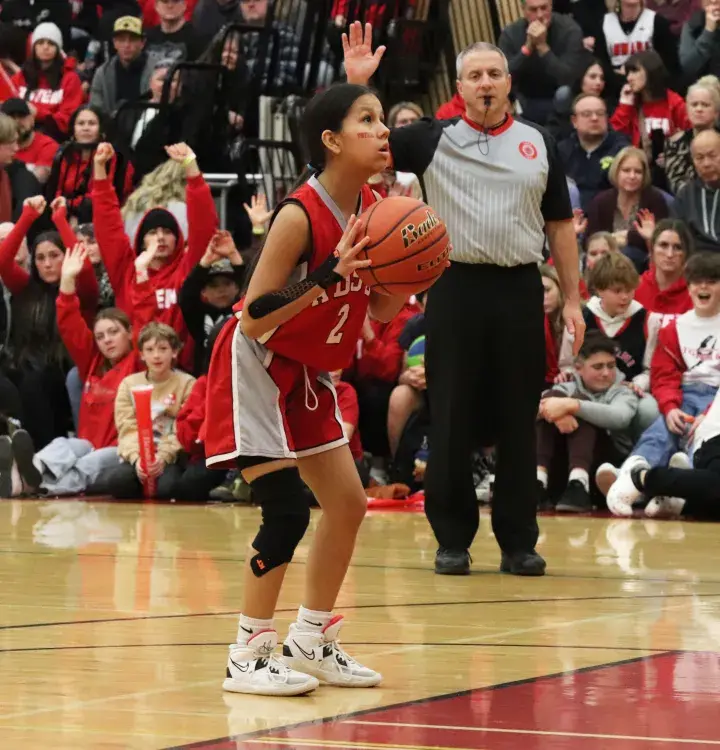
(528, 150)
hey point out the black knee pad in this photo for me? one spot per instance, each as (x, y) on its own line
(282, 496)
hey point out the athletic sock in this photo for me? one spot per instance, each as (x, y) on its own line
(248, 626)
(542, 477)
(310, 619)
(580, 475)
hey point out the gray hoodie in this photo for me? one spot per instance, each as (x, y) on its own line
(698, 205)
(611, 410)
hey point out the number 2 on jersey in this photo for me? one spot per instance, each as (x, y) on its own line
(336, 334)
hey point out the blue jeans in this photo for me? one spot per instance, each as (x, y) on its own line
(75, 391)
(657, 443)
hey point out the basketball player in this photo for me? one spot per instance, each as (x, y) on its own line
(272, 407)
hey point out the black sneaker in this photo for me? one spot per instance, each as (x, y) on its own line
(523, 564)
(544, 503)
(575, 499)
(6, 464)
(452, 562)
(24, 450)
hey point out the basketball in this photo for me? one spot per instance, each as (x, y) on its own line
(409, 245)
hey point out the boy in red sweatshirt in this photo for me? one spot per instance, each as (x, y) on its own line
(172, 261)
(684, 378)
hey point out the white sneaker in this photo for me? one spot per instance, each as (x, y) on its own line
(669, 507)
(320, 655)
(255, 669)
(623, 492)
(665, 507)
(605, 476)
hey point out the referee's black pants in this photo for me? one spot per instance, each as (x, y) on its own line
(485, 363)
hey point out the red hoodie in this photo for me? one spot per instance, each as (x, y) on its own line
(17, 278)
(156, 299)
(668, 115)
(382, 357)
(675, 300)
(8, 90)
(97, 407)
(54, 106)
(454, 108)
(191, 420)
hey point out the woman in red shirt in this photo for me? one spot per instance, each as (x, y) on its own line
(71, 175)
(48, 80)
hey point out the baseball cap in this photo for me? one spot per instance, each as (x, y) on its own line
(128, 25)
(221, 268)
(15, 108)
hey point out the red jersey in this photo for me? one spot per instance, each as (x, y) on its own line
(324, 335)
(40, 153)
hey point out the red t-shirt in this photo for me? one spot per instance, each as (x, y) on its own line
(40, 153)
(350, 413)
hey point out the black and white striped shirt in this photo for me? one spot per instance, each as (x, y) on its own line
(495, 191)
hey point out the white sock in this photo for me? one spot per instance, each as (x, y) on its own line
(248, 626)
(542, 477)
(580, 475)
(632, 462)
(310, 619)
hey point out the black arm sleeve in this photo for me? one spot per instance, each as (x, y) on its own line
(556, 201)
(414, 146)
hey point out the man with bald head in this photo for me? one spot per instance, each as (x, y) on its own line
(698, 203)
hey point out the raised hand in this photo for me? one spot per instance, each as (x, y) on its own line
(360, 61)
(37, 203)
(179, 152)
(58, 204)
(146, 257)
(73, 263)
(258, 210)
(347, 249)
(644, 224)
(580, 222)
(103, 153)
(224, 245)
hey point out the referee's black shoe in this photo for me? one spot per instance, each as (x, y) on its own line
(523, 564)
(452, 562)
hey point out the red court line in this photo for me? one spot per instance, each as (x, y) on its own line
(663, 700)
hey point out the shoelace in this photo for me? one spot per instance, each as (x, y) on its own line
(277, 669)
(349, 661)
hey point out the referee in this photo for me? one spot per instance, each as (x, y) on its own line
(498, 184)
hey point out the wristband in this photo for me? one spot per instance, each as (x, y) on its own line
(258, 231)
(325, 275)
(188, 160)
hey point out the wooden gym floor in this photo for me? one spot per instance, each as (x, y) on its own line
(115, 620)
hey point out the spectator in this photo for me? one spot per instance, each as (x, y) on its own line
(700, 42)
(697, 203)
(150, 15)
(17, 183)
(592, 413)
(401, 183)
(106, 295)
(588, 153)
(174, 38)
(159, 346)
(164, 187)
(157, 87)
(125, 76)
(211, 15)
(648, 110)
(71, 176)
(685, 378)
(630, 29)
(616, 210)
(676, 12)
(156, 298)
(598, 245)
(48, 80)
(703, 108)
(454, 108)
(37, 358)
(553, 303)
(26, 16)
(35, 149)
(104, 356)
(210, 291)
(374, 374)
(544, 51)
(350, 414)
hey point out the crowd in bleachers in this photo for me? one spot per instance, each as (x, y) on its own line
(116, 270)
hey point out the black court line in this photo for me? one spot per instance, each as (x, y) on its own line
(545, 600)
(419, 701)
(224, 645)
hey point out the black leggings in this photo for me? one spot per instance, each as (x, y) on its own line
(700, 486)
(45, 404)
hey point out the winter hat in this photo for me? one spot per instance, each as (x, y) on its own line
(48, 30)
(156, 218)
